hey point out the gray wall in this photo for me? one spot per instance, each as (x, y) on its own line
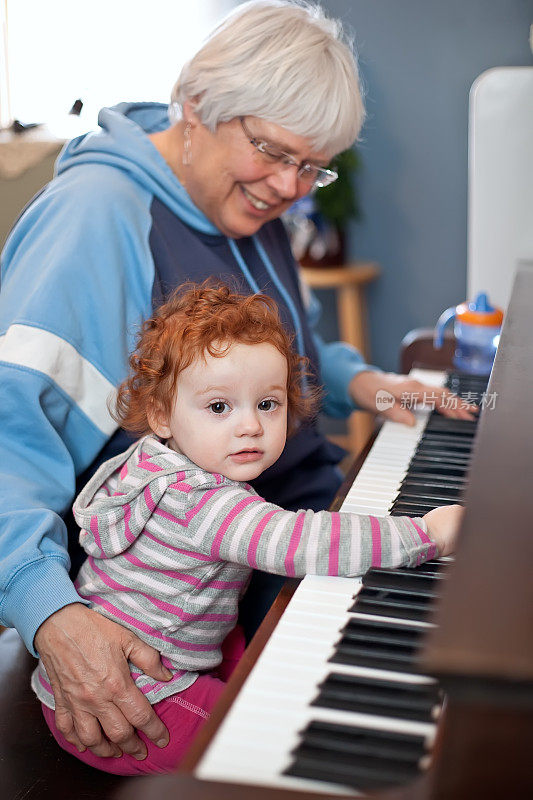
(418, 59)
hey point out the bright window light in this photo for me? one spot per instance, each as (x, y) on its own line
(102, 52)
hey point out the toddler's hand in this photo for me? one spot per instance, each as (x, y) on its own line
(443, 524)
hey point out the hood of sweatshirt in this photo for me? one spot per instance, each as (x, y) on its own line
(113, 508)
(122, 142)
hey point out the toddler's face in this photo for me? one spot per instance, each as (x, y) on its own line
(230, 413)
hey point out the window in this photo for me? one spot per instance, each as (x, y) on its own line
(102, 51)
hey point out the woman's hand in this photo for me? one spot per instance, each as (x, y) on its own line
(97, 703)
(394, 395)
(443, 524)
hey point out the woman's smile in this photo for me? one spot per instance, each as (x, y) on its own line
(255, 202)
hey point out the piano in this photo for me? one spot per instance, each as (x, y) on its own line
(415, 683)
(365, 673)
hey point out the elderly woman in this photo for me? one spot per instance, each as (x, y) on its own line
(134, 210)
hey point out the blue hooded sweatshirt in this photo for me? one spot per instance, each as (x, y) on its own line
(85, 264)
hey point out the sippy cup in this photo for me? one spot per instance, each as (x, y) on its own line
(477, 327)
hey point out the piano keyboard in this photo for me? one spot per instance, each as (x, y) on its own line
(323, 714)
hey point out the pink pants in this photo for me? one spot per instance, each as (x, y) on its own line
(183, 714)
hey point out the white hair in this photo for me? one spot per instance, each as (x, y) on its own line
(283, 61)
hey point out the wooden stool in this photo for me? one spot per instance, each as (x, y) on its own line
(349, 281)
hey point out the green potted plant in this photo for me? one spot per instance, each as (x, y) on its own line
(338, 202)
(317, 223)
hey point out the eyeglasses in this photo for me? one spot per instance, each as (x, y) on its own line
(307, 172)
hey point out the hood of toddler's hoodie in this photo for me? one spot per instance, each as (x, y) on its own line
(114, 507)
(122, 142)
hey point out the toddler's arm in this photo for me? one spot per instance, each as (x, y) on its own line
(240, 527)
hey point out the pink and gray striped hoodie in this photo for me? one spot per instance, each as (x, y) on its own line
(171, 549)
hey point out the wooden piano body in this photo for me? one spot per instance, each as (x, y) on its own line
(482, 648)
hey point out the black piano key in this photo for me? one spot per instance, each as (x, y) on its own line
(420, 489)
(359, 740)
(378, 645)
(411, 512)
(381, 633)
(399, 605)
(315, 765)
(427, 491)
(460, 444)
(402, 594)
(441, 485)
(431, 491)
(438, 422)
(433, 499)
(429, 496)
(356, 756)
(419, 702)
(414, 474)
(450, 430)
(443, 457)
(429, 468)
(451, 445)
(430, 500)
(437, 441)
(438, 466)
(419, 507)
(434, 567)
(462, 382)
(403, 580)
(444, 434)
(457, 427)
(399, 660)
(415, 509)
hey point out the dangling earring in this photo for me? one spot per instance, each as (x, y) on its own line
(187, 153)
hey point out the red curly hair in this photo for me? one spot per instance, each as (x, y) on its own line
(199, 318)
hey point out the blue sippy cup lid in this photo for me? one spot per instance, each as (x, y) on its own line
(479, 312)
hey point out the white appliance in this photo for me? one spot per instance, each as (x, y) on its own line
(500, 179)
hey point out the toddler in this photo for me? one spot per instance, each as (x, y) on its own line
(171, 527)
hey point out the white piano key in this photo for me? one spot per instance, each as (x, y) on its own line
(372, 506)
(366, 488)
(293, 670)
(378, 511)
